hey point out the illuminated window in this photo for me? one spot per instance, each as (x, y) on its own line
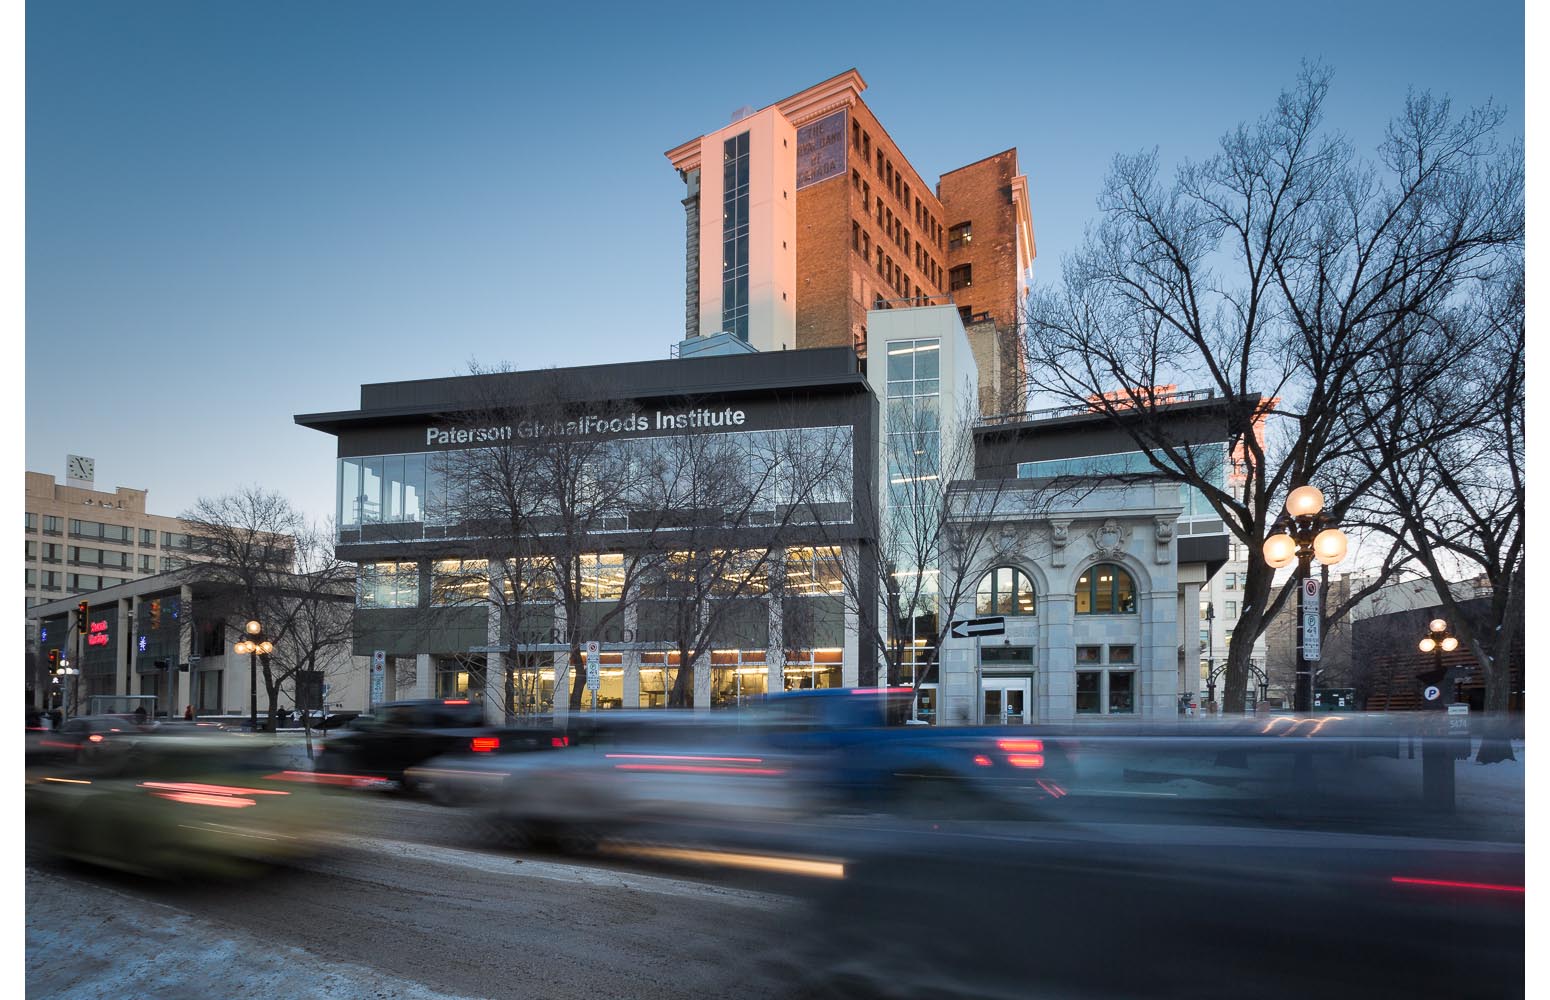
(960, 235)
(389, 585)
(1105, 589)
(459, 581)
(960, 277)
(1005, 591)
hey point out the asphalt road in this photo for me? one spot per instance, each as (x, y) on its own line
(386, 916)
(411, 905)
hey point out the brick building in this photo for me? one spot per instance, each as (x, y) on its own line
(824, 218)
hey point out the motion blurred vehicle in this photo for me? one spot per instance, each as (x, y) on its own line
(626, 775)
(800, 754)
(178, 806)
(84, 738)
(399, 735)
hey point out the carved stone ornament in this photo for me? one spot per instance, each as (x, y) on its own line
(1059, 535)
(1164, 537)
(1109, 538)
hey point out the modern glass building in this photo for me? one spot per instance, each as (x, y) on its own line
(434, 602)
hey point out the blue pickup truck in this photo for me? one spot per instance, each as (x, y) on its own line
(868, 756)
(792, 757)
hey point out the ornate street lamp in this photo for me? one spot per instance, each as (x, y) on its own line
(253, 647)
(1301, 535)
(1439, 640)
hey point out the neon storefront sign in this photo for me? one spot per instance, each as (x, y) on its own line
(98, 634)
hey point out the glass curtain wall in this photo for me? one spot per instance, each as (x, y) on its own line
(914, 447)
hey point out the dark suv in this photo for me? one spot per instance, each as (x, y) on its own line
(400, 734)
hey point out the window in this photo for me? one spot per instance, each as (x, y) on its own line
(966, 314)
(1105, 589)
(602, 577)
(1088, 693)
(734, 236)
(147, 536)
(51, 580)
(32, 578)
(1103, 691)
(32, 521)
(53, 552)
(459, 581)
(147, 564)
(176, 540)
(961, 276)
(1122, 692)
(1005, 591)
(1232, 610)
(960, 235)
(32, 550)
(855, 235)
(53, 525)
(389, 585)
(1232, 581)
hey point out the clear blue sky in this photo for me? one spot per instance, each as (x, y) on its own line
(241, 211)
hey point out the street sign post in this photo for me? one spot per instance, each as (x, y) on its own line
(378, 675)
(594, 679)
(968, 628)
(1310, 620)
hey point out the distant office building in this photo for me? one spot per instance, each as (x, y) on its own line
(168, 636)
(804, 215)
(80, 539)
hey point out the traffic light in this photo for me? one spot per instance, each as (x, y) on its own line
(53, 659)
(82, 616)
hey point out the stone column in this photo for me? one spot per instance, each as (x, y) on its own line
(1057, 679)
(775, 647)
(850, 670)
(494, 666)
(1191, 674)
(424, 676)
(186, 645)
(561, 667)
(1159, 694)
(702, 679)
(631, 657)
(128, 612)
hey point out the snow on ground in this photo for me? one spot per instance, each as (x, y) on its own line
(92, 943)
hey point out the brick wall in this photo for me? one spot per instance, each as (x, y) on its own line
(836, 285)
(981, 195)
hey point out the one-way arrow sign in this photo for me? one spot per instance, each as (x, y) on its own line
(965, 628)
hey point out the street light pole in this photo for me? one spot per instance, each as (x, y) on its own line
(253, 646)
(1302, 534)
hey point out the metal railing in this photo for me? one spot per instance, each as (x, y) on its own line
(1088, 409)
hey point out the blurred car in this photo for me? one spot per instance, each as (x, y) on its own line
(628, 774)
(83, 738)
(177, 806)
(399, 735)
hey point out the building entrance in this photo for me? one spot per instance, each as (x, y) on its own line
(1004, 701)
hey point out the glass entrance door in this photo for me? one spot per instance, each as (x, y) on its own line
(1004, 702)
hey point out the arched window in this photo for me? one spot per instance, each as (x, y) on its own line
(1105, 589)
(1005, 591)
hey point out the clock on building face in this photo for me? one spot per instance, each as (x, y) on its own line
(78, 467)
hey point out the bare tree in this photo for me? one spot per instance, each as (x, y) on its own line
(1459, 500)
(933, 541)
(318, 628)
(1279, 276)
(729, 505)
(246, 544)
